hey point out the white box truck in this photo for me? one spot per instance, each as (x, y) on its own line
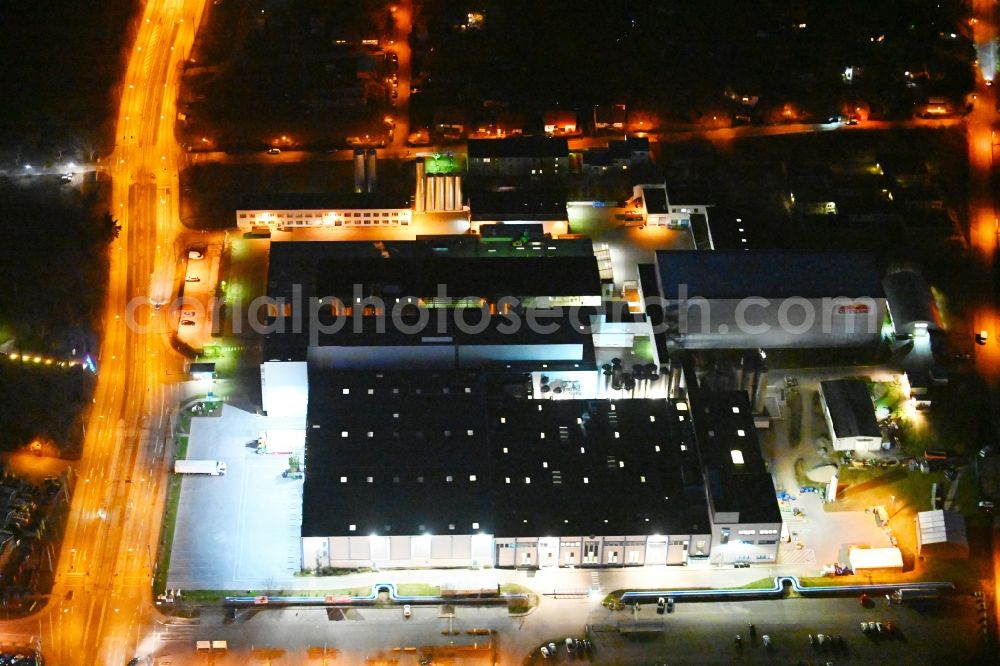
(213, 467)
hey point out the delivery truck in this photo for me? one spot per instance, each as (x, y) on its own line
(212, 467)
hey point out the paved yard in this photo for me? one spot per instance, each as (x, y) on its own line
(241, 530)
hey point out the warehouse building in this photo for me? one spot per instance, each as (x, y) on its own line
(581, 482)
(461, 468)
(444, 302)
(850, 415)
(770, 299)
(455, 469)
(397, 471)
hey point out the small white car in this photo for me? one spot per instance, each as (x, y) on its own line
(407, 611)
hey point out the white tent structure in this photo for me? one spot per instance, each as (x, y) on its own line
(942, 534)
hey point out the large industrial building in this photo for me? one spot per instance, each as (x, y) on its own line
(437, 434)
(444, 302)
(407, 469)
(770, 299)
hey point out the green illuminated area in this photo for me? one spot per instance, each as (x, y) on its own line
(443, 163)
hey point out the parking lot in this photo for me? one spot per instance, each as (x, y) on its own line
(194, 318)
(239, 530)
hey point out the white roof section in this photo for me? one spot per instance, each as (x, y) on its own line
(941, 527)
(876, 558)
(285, 388)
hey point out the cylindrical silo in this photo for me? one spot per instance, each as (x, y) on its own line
(418, 197)
(439, 192)
(371, 170)
(760, 397)
(458, 193)
(675, 381)
(432, 183)
(359, 171)
(449, 192)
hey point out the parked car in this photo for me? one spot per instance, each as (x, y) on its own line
(187, 322)
(661, 605)
(670, 604)
(192, 278)
(545, 652)
(407, 611)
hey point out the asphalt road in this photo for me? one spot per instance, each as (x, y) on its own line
(101, 597)
(696, 633)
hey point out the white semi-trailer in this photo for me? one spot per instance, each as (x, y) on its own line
(213, 467)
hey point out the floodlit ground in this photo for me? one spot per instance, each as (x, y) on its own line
(240, 530)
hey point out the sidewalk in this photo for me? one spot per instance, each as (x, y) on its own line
(549, 580)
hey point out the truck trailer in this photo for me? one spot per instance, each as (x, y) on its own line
(212, 467)
(914, 595)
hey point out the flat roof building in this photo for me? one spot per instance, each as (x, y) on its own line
(448, 469)
(595, 482)
(546, 206)
(742, 500)
(518, 156)
(441, 302)
(764, 299)
(289, 211)
(397, 471)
